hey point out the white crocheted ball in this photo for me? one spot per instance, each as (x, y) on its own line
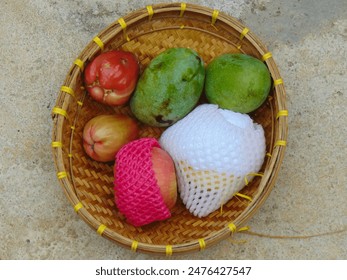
(213, 150)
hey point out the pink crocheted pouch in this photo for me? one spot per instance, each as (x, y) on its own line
(137, 194)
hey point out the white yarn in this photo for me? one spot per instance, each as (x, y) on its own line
(213, 150)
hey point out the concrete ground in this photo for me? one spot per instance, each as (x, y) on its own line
(308, 39)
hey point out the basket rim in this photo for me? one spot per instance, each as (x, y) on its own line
(268, 180)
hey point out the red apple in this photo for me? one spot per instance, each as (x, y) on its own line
(112, 76)
(104, 135)
(164, 171)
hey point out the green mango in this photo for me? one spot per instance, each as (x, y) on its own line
(169, 87)
(237, 82)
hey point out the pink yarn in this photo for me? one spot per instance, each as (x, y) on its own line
(137, 194)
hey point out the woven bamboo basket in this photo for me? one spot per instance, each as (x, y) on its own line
(88, 184)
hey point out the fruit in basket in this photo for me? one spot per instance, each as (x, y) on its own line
(237, 82)
(144, 182)
(214, 150)
(104, 135)
(111, 77)
(169, 88)
(164, 171)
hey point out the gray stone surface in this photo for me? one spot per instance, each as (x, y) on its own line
(308, 38)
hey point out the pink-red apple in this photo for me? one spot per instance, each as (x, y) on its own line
(104, 135)
(164, 171)
(145, 186)
(112, 76)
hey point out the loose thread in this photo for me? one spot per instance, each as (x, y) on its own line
(233, 241)
(246, 203)
(233, 230)
(250, 199)
(232, 227)
(252, 174)
(244, 196)
(295, 236)
(246, 230)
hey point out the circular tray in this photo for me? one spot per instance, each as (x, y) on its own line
(89, 184)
